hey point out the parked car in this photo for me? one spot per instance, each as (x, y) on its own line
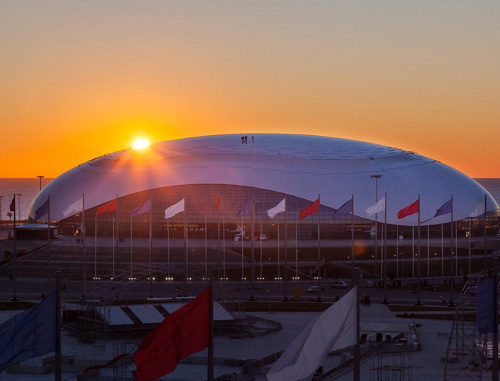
(339, 284)
(313, 290)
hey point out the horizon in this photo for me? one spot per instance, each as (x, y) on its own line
(84, 79)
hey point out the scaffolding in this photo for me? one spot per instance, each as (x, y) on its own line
(469, 354)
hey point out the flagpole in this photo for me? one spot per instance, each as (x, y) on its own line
(95, 247)
(84, 253)
(419, 302)
(151, 249)
(252, 275)
(278, 224)
(452, 279)
(413, 251)
(113, 250)
(223, 248)
(14, 261)
(206, 248)
(117, 239)
(285, 298)
(470, 264)
(319, 249)
(385, 301)
(168, 248)
(48, 244)
(131, 248)
(442, 250)
(352, 238)
(484, 239)
(210, 352)
(494, 369)
(397, 251)
(428, 252)
(242, 249)
(260, 239)
(186, 258)
(58, 354)
(357, 352)
(296, 249)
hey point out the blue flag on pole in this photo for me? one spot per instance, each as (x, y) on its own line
(31, 333)
(444, 209)
(245, 209)
(144, 208)
(486, 322)
(42, 210)
(343, 210)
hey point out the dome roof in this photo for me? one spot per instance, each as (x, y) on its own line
(299, 165)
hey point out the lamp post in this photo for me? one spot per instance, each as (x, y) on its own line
(40, 177)
(376, 177)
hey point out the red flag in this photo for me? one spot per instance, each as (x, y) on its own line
(13, 205)
(184, 332)
(409, 210)
(218, 203)
(311, 209)
(108, 207)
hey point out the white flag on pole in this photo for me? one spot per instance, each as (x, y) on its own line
(478, 209)
(174, 209)
(334, 329)
(375, 208)
(74, 208)
(277, 209)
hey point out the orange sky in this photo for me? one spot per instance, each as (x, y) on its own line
(81, 79)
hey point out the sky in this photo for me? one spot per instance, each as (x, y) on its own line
(79, 79)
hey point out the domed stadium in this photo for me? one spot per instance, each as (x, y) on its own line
(215, 176)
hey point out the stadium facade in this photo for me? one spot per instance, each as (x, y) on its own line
(215, 175)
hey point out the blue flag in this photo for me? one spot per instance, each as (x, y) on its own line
(486, 322)
(31, 333)
(343, 210)
(245, 209)
(144, 208)
(444, 209)
(42, 210)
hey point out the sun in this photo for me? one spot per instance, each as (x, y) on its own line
(140, 144)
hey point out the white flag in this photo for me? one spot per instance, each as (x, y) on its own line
(174, 209)
(375, 208)
(74, 208)
(334, 329)
(478, 209)
(277, 209)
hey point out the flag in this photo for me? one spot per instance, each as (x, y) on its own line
(144, 208)
(478, 209)
(334, 329)
(343, 210)
(182, 333)
(311, 209)
(74, 208)
(486, 322)
(42, 210)
(375, 208)
(108, 207)
(445, 208)
(409, 210)
(245, 209)
(277, 209)
(31, 333)
(13, 204)
(218, 203)
(174, 209)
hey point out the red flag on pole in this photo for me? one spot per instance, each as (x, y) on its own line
(218, 203)
(184, 332)
(108, 207)
(409, 210)
(311, 209)
(13, 205)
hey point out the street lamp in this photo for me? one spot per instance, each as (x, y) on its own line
(40, 177)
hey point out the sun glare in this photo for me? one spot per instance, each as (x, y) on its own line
(140, 144)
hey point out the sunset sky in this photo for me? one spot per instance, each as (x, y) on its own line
(81, 79)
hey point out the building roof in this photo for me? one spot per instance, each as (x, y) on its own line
(301, 165)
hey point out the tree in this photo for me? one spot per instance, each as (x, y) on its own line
(9, 214)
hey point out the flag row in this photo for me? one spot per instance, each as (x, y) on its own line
(246, 209)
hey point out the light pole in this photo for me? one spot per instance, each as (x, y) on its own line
(376, 177)
(40, 177)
